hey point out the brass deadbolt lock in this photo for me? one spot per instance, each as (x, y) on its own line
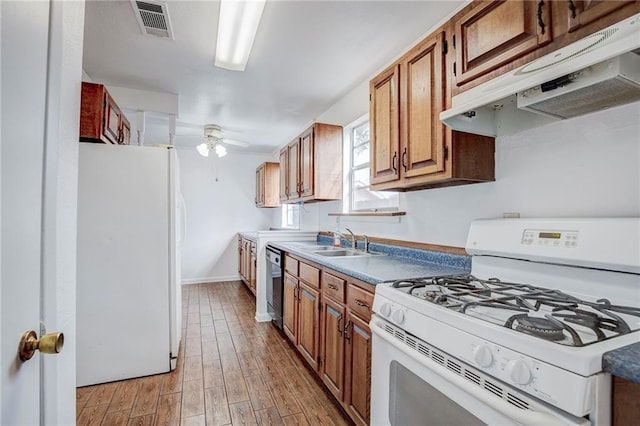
(50, 343)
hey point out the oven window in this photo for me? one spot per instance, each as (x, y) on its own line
(413, 401)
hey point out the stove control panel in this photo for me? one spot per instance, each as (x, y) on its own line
(391, 311)
(550, 238)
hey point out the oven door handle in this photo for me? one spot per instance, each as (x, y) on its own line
(526, 417)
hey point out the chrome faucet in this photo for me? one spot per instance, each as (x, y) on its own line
(366, 243)
(353, 238)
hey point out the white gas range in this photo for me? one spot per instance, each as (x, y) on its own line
(518, 341)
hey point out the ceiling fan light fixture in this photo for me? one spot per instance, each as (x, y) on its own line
(237, 26)
(221, 151)
(203, 149)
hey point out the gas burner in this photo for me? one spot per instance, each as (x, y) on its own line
(545, 313)
(541, 327)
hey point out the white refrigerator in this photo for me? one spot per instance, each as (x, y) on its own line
(130, 230)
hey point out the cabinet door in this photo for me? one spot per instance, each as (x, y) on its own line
(497, 32)
(308, 323)
(384, 113)
(584, 12)
(111, 121)
(294, 171)
(240, 257)
(241, 264)
(252, 268)
(290, 308)
(259, 186)
(422, 101)
(333, 347)
(125, 130)
(284, 174)
(306, 164)
(358, 369)
(246, 261)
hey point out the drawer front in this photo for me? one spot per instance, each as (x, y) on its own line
(291, 265)
(309, 274)
(359, 302)
(333, 287)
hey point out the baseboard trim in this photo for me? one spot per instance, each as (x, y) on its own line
(189, 281)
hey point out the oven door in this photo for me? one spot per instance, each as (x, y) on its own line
(408, 388)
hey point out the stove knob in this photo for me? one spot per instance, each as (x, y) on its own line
(385, 309)
(482, 356)
(398, 317)
(519, 372)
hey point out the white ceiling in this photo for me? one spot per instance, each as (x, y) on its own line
(306, 56)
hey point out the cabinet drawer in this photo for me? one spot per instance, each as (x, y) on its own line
(359, 302)
(333, 287)
(291, 265)
(309, 274)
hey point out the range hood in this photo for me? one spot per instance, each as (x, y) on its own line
(597, 72)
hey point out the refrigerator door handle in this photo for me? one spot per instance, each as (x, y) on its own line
(183, 220)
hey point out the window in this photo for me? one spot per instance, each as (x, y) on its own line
(290, 216)
(360, 197)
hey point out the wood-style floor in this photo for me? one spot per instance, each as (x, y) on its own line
(231, 370)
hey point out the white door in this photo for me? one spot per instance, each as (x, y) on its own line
(40, 87)
(23, 96)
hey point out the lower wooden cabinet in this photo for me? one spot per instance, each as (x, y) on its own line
(328, 323)
(357, 394)
(309, 324)
(247, 262)
(333, 339)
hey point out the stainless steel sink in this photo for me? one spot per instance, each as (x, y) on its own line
(323, 248)
(343, 253)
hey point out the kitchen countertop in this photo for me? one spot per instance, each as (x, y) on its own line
(395, 262)
(253, 236)
(623, 362)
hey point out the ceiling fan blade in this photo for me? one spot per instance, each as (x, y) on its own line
(235, 142)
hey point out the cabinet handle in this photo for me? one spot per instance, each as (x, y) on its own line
(572, 8)
(332, 286)
(346, 331)
(394, 160)
(361, 303)
(340, 325)
(404, 158)
(541, 23)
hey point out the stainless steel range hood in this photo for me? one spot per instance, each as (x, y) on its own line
(571, 81)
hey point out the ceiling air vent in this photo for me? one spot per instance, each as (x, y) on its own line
(153, 18)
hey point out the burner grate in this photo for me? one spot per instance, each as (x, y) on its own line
(544, 313)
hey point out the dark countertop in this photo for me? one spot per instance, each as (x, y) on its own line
(395, 262)
(623, 362)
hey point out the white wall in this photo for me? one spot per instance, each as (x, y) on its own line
(219, 197)
(588, 166)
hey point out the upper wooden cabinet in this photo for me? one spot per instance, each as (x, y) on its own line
(496, 32)
(312, 165)
(101, 120)
(586, 12)
(268, 185)
(494, 37)
(384, 116)
(410, 148)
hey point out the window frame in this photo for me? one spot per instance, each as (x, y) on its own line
(350, 169)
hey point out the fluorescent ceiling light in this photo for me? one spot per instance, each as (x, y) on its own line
(237, 26)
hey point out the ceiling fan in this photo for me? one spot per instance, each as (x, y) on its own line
(214, 141)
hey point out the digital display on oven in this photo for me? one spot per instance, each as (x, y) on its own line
(552, 235)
